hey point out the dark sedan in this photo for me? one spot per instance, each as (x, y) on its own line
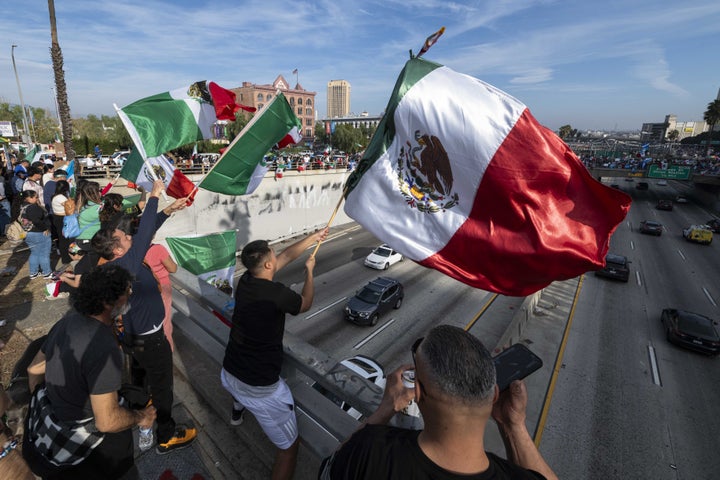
(664, 205)
(374, 299)
(616, 267)
(691, 330)
(651, 227)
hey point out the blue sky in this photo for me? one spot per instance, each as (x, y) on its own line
(591, 64)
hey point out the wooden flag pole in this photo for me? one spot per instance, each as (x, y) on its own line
(332, 217)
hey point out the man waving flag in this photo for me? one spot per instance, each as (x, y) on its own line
(460, 177)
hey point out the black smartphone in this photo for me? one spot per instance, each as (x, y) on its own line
(515, 363)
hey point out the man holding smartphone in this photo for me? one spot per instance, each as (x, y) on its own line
(456, 392)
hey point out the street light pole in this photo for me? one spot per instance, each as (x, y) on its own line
(22, 104)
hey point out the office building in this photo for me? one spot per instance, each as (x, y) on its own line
(338, 98)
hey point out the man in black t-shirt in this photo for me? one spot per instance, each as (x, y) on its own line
(456, 393)
(81, 365)
(254, 354)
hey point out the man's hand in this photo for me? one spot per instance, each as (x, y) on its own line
(157, 188)
(310, 263)
(509, 410)
(146, 417)
(177, 205)
(395, 398)
(320, 235)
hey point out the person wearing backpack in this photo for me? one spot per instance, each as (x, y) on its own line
(36, 222)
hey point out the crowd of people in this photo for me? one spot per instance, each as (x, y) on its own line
(84, 404)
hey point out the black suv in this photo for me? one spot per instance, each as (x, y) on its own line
(616, 267)
(374, 299)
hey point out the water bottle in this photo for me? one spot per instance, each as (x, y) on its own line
(145, 438)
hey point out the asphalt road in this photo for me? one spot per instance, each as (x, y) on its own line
(627, 404)
(623, 418)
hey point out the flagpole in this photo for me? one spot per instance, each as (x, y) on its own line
(332, 217)
(252, 122)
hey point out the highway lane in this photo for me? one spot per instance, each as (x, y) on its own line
(630, 404)
(625, 418)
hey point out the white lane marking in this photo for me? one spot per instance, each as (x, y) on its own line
(337, 235)
(637, 277)
(632, 245)
(376, 332)
(325, 308)
(653, 366)
(707, 294)
(681, 254)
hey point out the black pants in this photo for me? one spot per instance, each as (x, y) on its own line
(112, 459)
(153, 368)
(63, 243)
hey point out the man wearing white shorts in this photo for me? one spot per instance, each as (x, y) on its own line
(254, 353)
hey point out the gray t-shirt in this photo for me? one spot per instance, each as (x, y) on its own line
(83, 358)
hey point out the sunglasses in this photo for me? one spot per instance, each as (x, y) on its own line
(413, 350)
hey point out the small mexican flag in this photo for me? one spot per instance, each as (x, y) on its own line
(177, 185)
(243, 164)
(210, 257)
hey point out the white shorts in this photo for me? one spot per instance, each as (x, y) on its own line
(273, 407)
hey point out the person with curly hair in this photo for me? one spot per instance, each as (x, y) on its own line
(75, 378)
(144, 336)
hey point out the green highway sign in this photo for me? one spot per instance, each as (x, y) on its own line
(673, 172)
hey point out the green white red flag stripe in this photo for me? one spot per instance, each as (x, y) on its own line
(461, 178)
(144, 173)
(210, 257)
(242, 165)
(163, 122)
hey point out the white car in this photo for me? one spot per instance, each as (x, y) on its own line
(363, 366)
(383, 257)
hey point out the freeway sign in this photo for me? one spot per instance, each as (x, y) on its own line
(673, 172)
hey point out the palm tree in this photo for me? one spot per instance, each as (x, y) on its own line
(712, 117)
(60, 87)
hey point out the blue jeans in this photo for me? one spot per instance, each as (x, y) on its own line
(40, 245)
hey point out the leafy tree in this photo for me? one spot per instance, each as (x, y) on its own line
(233, 128)
(712, 117)
(320, 135)
(348, 139)
(673, 135)
(565, 131)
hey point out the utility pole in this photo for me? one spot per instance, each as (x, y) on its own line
(26, 129)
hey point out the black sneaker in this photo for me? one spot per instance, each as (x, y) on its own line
(34, 275)
(49, 276)
(183, 438)
(236, 417)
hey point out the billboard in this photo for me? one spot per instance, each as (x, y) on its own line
(7, 129)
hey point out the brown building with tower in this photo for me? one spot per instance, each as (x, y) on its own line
(302, 101)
